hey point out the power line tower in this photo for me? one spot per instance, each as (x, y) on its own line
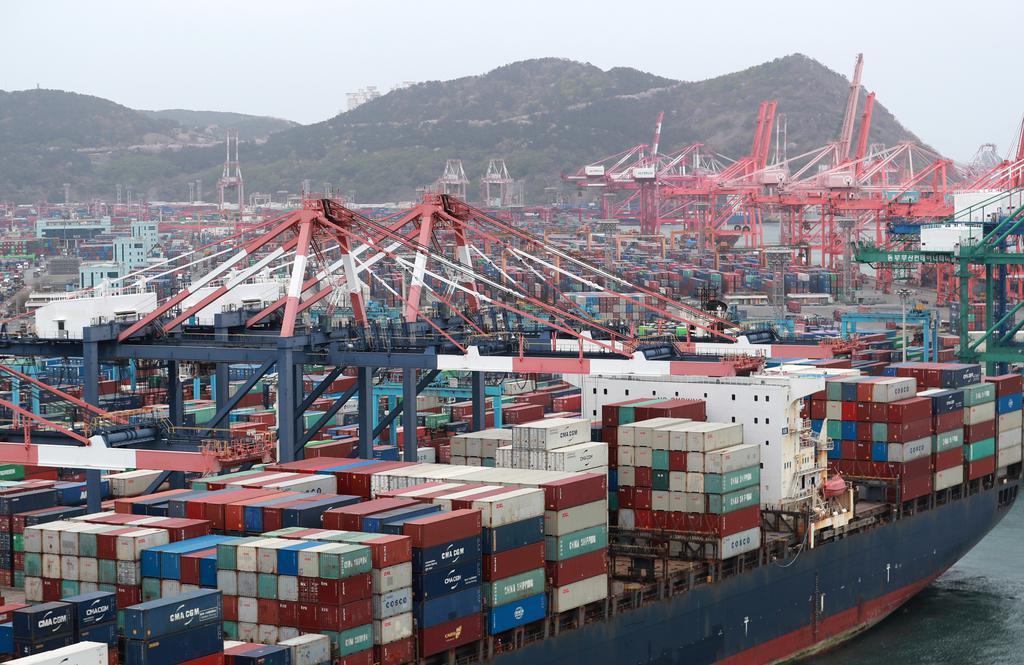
(232, 174)
(496, 185)
(454, 181)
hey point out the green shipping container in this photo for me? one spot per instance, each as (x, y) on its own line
(659, 459)
(33, 564)
(720, 483)
(834, 429)
(18, 543)
(584, 541)
(106, 571)
(346, 561)
(979, 450)
(227, 553)
(879, 432)
(68, 588)
(979, 393)
(659, 480)
(150, 589)
(511, 589)
(230, 630)
(266, 586)
(355, 640)
(12, 472)
(947, 440)
(720, 504)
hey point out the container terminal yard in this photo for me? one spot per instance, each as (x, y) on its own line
(694, 409)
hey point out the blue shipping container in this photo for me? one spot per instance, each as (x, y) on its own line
(879, 451)
(253, 514)
(263, 654)
(447, 579)
(43, 621)
(288, 557)
(166, 616)
(73, 494)
(514, 615)
(448, 554)
(6, 637)
(104, 633)
(23, 647)
(195, 643)
(93, 608)
(1008, 403)
(170, 554)
(310, 515)
(375, 523)
(447, 608)
(511, 536)
(26, 501)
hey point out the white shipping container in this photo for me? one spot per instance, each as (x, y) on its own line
(392, 577)
(248, 632)
(267, 634)
(315, 483)
(627, 476)
(552, 433)
(427, 455)
(69, 567)
(248, 584)
(309, 649)
(643, 457)
(387, 605)
(51, 566)
(82, 653)
(695, 462)
(32, 539)
(677, 481)
(979, 413)
(248, 609)
(659, 500)
(894, 389)
(446, 501)
(626, 456)
(732, 458)
(285, 633)
(694, 482)
(247, 555)
(266, 555)
(947, 478)
(288, 588)
(911, 450)
(392, 629)
(33, 589)
(579, 593)
(69, 538)
(458, 445)
(130, 545)
(512, 506)
(739, 543)
(677, 502)
(1009, 439)
(561, 522)
(695, 502)
(170, 588)
(90, 587)
(227, 582)
(309, 560)
(88, 570)
(649, 434)
(834, 409)
(705, 437)
(1007, 456)
(129, 573)
(579, 457)
(1009, 421)
(131, 483)
(627, 520)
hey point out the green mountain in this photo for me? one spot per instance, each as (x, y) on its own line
(544, 116)
(214, 123)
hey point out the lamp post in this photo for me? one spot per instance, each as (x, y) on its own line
(904, 295)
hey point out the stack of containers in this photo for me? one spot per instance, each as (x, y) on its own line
(66, 558)
(275, 587)
(177, 630)
(1008, 418)
(446, 580)
(12, 539)
(576, 541)
(162, 570)
(880, 429)
(554, 444)
(478, 448)
(947, 436)
(13, 500)
(979, 408)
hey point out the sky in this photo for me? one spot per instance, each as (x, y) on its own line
(945, 69)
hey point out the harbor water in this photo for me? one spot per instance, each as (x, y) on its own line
(969, 616)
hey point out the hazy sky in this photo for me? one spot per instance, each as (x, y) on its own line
(948, 70)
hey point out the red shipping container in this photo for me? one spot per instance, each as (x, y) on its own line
(357, 481)
(451, 634)
(676, 460)
(906, 410)
(863, 411)
(979, 431)
(288, 612)
(560, 573)
(626, 497)
(212, 659)
(349, 518)
(343, 617)
(817, 409)
(512, 562)
(1006, 384)
(610, 435)
(864, 432)
(610, 412)
(945, 422)
(181, 528)
(949, 458)
(724, 525)
(909, 431)
(642, 498)
(395, 653)
(266, 610)
(230, 607)
(389, 550)
(106, 545)
(847, 449)
(7, 611)
(981, 467)
(441, 528)
(694, 409)
(334, 592)
(575, 491)
(848, 411)
(234, 513)
(126, 595)
(340, 448)
(364, 657)
(643, 476)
